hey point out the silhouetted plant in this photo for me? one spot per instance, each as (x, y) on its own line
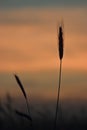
(60, 47)
(26, 99)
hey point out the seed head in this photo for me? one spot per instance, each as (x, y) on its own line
(60, 38)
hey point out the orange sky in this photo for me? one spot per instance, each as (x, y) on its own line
(28, 42)
(33, 45)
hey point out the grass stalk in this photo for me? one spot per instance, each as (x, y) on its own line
(58, 97)
(25, 96)
(60, 47)
(28, 108)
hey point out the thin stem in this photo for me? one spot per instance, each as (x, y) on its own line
(28, 109)
(58, 96)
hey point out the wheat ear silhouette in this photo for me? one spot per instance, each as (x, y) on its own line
(60, 49)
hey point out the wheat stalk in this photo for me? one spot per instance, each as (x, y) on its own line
(26, 99)
(60, 47)
(23, 91)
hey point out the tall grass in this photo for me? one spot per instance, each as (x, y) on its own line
(26, 99)
(60, 49)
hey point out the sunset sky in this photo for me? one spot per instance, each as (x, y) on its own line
(29, 47)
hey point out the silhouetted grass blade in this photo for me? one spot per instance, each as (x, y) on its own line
(61, 46)
(23, 115)
(20, 85)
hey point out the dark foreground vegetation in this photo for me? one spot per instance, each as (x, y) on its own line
(9, 122)
(41, 120)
